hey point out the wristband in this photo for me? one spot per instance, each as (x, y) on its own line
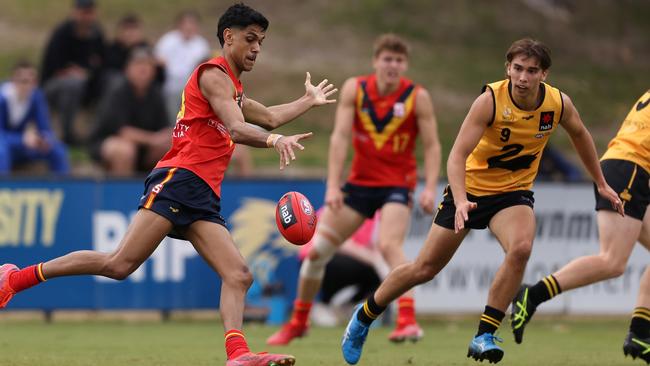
(272, 139)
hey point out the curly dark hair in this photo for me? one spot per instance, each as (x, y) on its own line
(240, 16)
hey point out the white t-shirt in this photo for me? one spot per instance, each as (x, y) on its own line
(181, 56)
(17, 108)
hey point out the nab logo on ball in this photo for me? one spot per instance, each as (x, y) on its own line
(296, 218)
(286, 212)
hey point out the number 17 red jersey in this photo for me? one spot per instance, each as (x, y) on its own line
(384, 132)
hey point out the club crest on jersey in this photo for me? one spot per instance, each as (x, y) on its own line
(399, 110)
(546, 121)
(507, 115)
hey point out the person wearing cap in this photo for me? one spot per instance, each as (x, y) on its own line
(132, 128)
(72, 65)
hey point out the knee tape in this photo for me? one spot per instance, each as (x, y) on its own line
(315, 269)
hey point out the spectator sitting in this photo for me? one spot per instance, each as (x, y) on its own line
(180, 51)
(25, 133)
(129, 35)
(132, 130)
(72, 64)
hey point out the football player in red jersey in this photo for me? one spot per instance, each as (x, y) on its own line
(382, 113)
(182, 194)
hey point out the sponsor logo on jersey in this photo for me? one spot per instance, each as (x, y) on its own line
(546, 121)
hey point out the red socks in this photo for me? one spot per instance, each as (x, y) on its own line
(235, 344)
(26, 277)
(300, 315)
(405, 311)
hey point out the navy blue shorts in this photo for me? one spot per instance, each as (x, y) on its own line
(367, 200)
(486, 208)
(630, 181)
(181, 197)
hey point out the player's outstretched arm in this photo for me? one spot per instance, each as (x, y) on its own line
(218, 90)
(586, 149)
(470, 134)
(428, 127)
(276, 116)
(339, 141)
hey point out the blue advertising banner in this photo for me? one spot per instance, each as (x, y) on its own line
(41, 220)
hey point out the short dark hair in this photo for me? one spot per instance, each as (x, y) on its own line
(129, 20)
(84, 4)
(530, 48)
(391, 42)
(240, 16)
(22, 64)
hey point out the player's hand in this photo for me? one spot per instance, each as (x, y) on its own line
(285, 145)
(462, 214)
(319, 93)
(428, 201)
(609, 194)
(334, 198)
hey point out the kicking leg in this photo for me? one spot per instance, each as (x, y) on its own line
(144, 234)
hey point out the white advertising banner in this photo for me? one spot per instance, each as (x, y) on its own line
(566, 229)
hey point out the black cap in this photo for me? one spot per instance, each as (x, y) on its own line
(84, 4)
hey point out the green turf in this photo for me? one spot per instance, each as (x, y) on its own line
(565, 342)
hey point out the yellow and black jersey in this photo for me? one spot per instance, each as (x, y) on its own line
(632, 142)
(507, 156)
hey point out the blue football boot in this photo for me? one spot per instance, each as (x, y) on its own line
(354, 338)
(483, 348)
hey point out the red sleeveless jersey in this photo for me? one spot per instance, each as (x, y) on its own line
(384, 133)
(200, 141)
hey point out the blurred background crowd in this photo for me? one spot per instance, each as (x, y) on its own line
(115, 98)
(94, 102)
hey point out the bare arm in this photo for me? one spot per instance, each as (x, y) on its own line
(218, 90)
(428, 126)
(339, 141)
(468, 137)
(276, 116)
(586, 149)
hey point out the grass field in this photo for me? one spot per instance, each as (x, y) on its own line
(179, 343)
